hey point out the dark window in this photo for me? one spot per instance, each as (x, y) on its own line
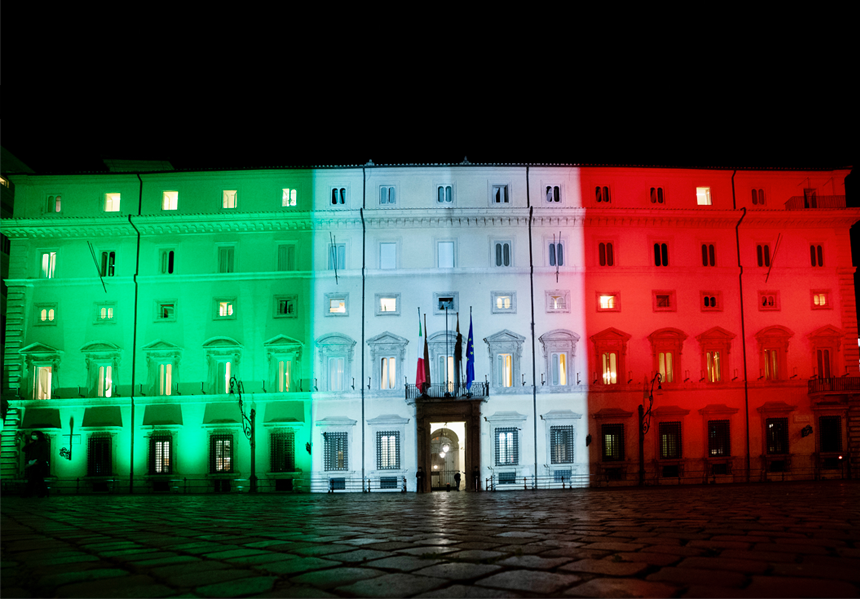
(710, 301)
(99, 456)
(607, 254)
(763, 255)
(719, 441)
(338, 196)
(108, 261)
(553, 194)
(336, 451)
(503, 254)
(562, 476)
(166, 262)
(561, 444)
(830, 430)
(601, 194)
(500, 194)
(160, 455)
(443, 194)
(337, 483)
(670, 440)
(657, 195)
(556, 254)
(661, 255)
(507, 446)
(387, 450)
(758, 197)
(816, 256)
(388, 483)
(283, 452)
(508, 478)
(823, 356)
(613, 442)
(225, 260)
(221, 453)
(777, 436)
(708, 255)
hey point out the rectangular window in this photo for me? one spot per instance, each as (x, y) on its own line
(445, 251)
(820, 300)
(105, 312)
(388, 304)
(169, 200)
(823, 356)
(703, 196)
(771, 364)
(661, 255)
(719, 440)
(610, 368)
(99, 459)
(225, 259)
(816, 255)
(221, 453)
(500, 194)
(768, 300)
(286, 257)
(285, 306)
(112, 202)
(160, 456)
(664, 301)
(607, 302)
(337, 306)
(229, 198)
(104, 383)
(708, 255)
(601, 194)
(283, 456)
(613, 442)
(222, 377)
(49, 262)
(336, 256)
(225, 308)
(556, 301)
(166, 311)
(656, 195)
(288, 197)
(830, 432)
(285, 368)
(46, 313)
(165, 379)
(561, 444)
(338, 196)
(502, 302)
(336, 374)
(556, 254)
(42, 382)
(387, 195)
(166, 262)
(387, 450)
(670, 440)
(507, 448)
(711, 301)
(387, 255)
(504, 370)
(714, 370)
(336, 451)
(388, 373)
(606, 254)
(553, 194)
(665, 366)
(558, 362)
(444, 194)
(758, 197)
(762, 252)
(503, 254)
(777, 436)
(53, 203)
(108, 264)
(445, 372)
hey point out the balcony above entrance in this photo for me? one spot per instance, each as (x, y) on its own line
(478, 389)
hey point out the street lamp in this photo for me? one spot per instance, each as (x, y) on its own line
(248, 428)
(645, 423)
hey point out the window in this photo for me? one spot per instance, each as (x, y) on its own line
(610, 347)
(104, 381)
(286, 257)
(601, 194)
(816, 255)
(105, 312)
(561, 444)
(716, 346)
(606, 254)
(336, 305)
(608, 301)
(556, 254)
(53, 203)
(223, 374)
(666, 366)
(771, 364)
(165, 379)
(503, 302)
(613, 442)
(708, 259)
(758, 197)
(821, 299)
(283, 452)
(557, 301)
(670, 440)
(336, 256)
(112, 202)
(443, 301)
(49, 262)
(221, 453)
(46, 314)
(387, 304)
(656, 195)
(288, 197)
(229, 198)
(661, 255)
(823, 361)
(711, 301)
(336, 457)
(762, 252)
(225, 308)
(99, 459)
(387, 195)
(42, 376)
(719, 440)
(703, 196)
(108, 264)
(825, 343)
(559, 348)
(553, 194)
(507, 447)
(830, 433)
(777, 436)
(335, 352)
(285, 368)
(500, 194)
(166, 262)
(664, 300)
(338, 196)
(165, 311)
(504, 370)
(336, 374)
(714, 371)
(558, 371)
(387, 450)
(388, 373)
(445, 255)
(387, 255)
(444, 194)
(225, 259)
(502, 254)
(169, 200)
(768, 300)
(160, 454)
(609, 364)
(286, 306)
(666, 346)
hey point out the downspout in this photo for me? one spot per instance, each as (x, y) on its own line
(363, 275)
(534, 359)
(743, 331)
(134, 334)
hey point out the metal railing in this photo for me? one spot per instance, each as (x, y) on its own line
(833, 384)
(478, 389)
(815, 202)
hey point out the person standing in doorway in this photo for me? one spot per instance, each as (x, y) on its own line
(457, 480)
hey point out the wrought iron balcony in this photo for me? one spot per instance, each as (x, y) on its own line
(478, 389)
(834, 385)
(815, 202)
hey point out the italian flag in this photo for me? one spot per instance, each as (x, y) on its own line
(422, 373)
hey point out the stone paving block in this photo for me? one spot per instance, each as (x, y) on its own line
(622, 588)
(323, 549)
(226, 554)
(198, 566)
(389, 546)
(62, 560)
(299, 564)
(168, 560)
(798, 587)
(818, 571)
(293, 591)
(392, 585)
(339, 576)
(401, 563)
(676, 550)
(458, 571)
(718, 544)
(475, 555)
(835, 561)
(606, 566)
(709, 591)
(657, 541)
(519, 534)
(698, 576)
(810, 541)
(575, 553)
(135, 586)
(480, 545)
(758, 555)
(358, 555)
(798, 548)
(719, 563)
(651, 558)
(429, 550)
(464, 591)
(193, 577)
(538, 582)
(237, 587)
(534, 562)
(613, 546)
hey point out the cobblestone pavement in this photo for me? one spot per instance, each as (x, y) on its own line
(780, 540)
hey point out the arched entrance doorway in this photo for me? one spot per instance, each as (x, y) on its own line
(447, 457)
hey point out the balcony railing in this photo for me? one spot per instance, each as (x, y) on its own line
(822, 202)
(834, 384)
(440, 390)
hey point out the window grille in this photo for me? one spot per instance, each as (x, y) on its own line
(719, 440)
(160, 455)
(562, 475)
(830, 430)
(336, 451)
(670, 440)
(99, 459)
(221, 453)
(777, 436)
(387, 450)
(388, 483)
(337, 483)
(613, 442)
(508, 478)
(607, 256)
(507, 446)
(283, 447)
(561, 444)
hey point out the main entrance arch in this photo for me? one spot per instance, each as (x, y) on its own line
(433, 411)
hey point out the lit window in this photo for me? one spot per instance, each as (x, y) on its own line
(336, 457)
(166, 266)
(338, 196)
(665, 366)
(816, 255)
(503, 302)
(221, 453)
(503, 254)
(229, 198)
(763, 255)
(553, 194)
(386, 194)
(445, 252)
(225, 308)
(387, 304)
(777, 436)
(104, 383)
(53, 203)
(714, 370)
(49, 262)
(656, 195)
(222, 378)
(288, 197)
(559, 368)
(169, 200)
(337, 374)
(166, 311)
(42, 382)
(387, 449)
(606, 254)
(504, 370)
(160, 462)
(507, 451)
(561, 444)
(387, 255)
(703, 196)
(610, 368)
(823, 360)
(337, 306)
(284, 373)
(106, 313)
(613, 442)
(601, 193)
(46, 315)
(388, 373)
(165, 379)
(771, 364)
(820, 300)
(336, 256)
(112, 202)
(444, 194)
(606, 301)
(500, 194)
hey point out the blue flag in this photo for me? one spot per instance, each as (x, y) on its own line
(470, 357)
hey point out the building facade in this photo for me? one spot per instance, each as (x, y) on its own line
(140, 301)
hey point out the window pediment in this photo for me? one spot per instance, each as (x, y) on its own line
(716, 335)
(161, 346)
(667, 338)
(218, 343)
(670, 411)
(100, 348)
(387, 339)
(826, 336)
(611, 335)
(505, 340)
(612, 414)
(39, 350)
(776, 336)
(283, 345)
(559, 339)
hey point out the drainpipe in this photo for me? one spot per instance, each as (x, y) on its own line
(134, 335)
(363, 267)
(743, 331)
(532, 283)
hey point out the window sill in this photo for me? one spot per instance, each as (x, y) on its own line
(284, 474)
(232, 475)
